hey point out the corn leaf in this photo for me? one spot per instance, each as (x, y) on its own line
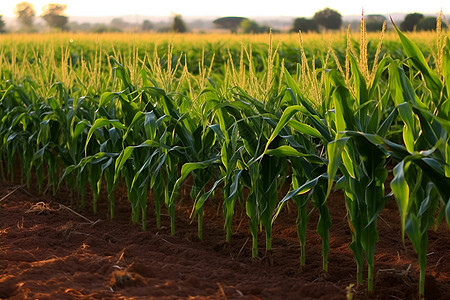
(400, 188)
(101, 122)
(334, 151)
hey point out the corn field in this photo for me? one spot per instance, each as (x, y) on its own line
(243, 116)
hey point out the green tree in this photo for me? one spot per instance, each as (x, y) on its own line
(2, 24)
(53, 14)
(305, 25)
(328, 18)
(147, 25)
(375, 22)
(250, 26)
(25, 13)
(178, 24)
(119, 24)
(103, 28)
(411, 21)
(231, 23)
(429, 24)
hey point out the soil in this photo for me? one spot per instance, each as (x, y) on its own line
(51, 250)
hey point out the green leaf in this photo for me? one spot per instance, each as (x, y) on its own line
(150, 125)
(5, 93)
(412, 228)
(283, 151)
(121, 160)
(106, 97)
(349, 161)
(136, 119)
(146, 164)
(202, 199)
(408, 138)
(40, 152)
(101, 122)
(186, 169)
(342, 111)
(400, 188)
(285, 117)
(362, 95)
(304, 128)
(406, 114)
(419, 61)
(293, 86)
(375, 82)
(334, 150)
(386, 125)
(79, 128)
(447, 158)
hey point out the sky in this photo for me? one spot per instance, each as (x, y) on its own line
(244, 8)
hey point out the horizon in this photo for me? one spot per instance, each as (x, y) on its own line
(285, 8)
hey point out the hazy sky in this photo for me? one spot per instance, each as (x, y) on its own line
(243, 8)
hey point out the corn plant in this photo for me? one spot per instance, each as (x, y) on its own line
(421, 182)
(231, 165)
(363, 164)
(18, 129)
(314, 167)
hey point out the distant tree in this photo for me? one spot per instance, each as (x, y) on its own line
(100, 28)
(250, 26)
(25, 13)
(2, 24)
(374, 22)
(178, 24)
(231, 23)
(164, 29)
(119, 23)
(305, 25)
(147, 25)
(53, 14)
(411, 21)
(266, 29)
(429, 24)
(328, 18)
(103, 28)
(76, 27)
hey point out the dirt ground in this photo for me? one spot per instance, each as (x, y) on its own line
(57, 251)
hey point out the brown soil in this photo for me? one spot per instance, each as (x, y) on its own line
(50, 252)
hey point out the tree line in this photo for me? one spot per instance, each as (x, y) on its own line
(331, 19)
(55, 17)
(325, 19)
(53, 14)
